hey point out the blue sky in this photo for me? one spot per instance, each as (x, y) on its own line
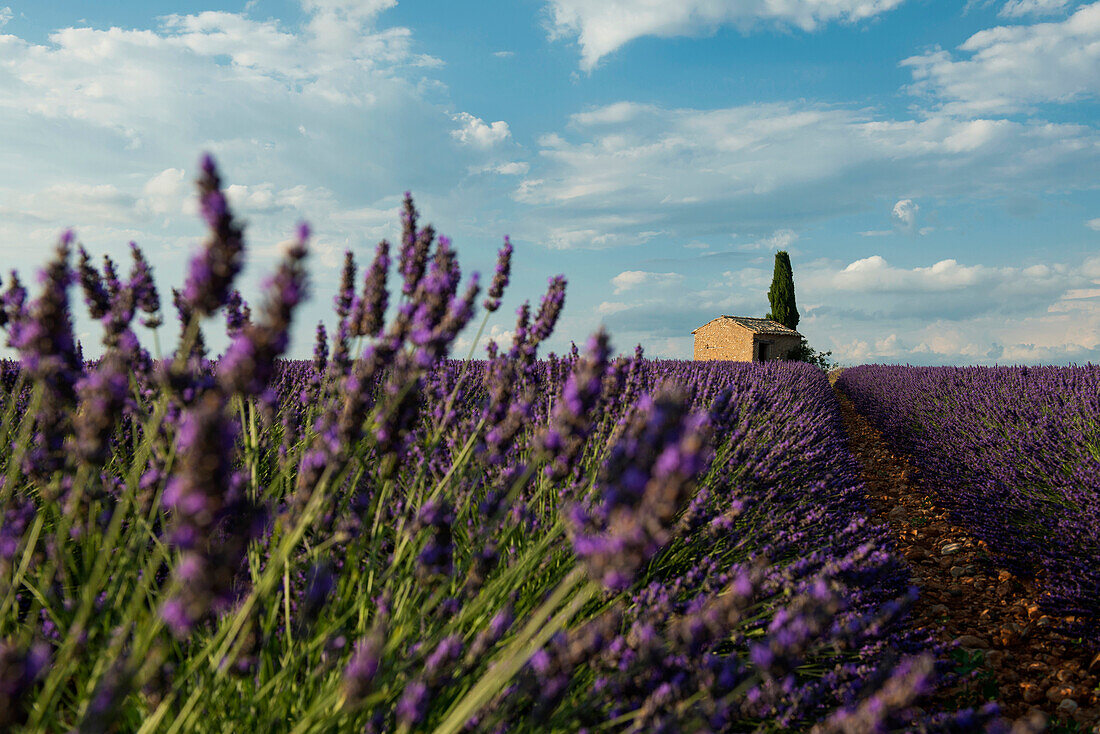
(931, 166)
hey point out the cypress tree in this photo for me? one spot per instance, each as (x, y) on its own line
(781, 294)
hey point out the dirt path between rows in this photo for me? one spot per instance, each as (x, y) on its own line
(1016, 657)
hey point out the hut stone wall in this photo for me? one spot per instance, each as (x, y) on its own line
(724, 339)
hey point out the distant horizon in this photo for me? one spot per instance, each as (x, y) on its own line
(930, 166)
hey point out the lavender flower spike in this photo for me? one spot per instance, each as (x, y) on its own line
(249, 364)
(370, 308)
(646, 482)
(146, 297)
(320, 349)
(346, 292)
(213, 270)
(234, 316)
(91, 282)
(549, 310)
(500, 277)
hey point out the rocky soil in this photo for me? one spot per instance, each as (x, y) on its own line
(1001, 639)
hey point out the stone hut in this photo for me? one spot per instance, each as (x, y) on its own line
(744, 339)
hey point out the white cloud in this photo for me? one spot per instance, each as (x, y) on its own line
(1011, 68)
(5, 15)
(497, 333)
(876, 233)
(476, 132)
(513, 168)
(166, 192)
(101, 204)
(601, 27)
(875, 274)
(286, 111)
(1022, 8)
(780, 239)
(629, 279)
(951, 313)
(905, 213)
(504, 54)
(1093, 224)
(610, 307)
(759, 168)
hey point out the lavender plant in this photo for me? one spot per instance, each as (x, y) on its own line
(384, 538)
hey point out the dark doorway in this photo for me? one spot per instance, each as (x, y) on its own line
(763, 351)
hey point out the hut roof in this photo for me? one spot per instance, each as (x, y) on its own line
(757, 326)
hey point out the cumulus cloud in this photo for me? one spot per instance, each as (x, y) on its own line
(476, 132)
(875, 274)
(1093, 224)
(905, 214)
(5, 15)
(166, 192)
(601, 27)
(629, 279)
(950, 312)
(1011, 68)
(285, 109)
(754, 169)
(513, 168)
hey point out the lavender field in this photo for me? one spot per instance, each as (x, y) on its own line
(392, 538)
(1015, 454)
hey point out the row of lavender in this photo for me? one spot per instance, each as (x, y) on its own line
(1014, 452)
(382, 539)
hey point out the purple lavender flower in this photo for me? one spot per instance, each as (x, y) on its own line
(234, 318)
(320, 349)
(362, 668)
(436, 557)
(102, 395)
(49, 355)
(13, 308)
(415, 246)
(95, 293)
(549, 310)
(645, 483)
(500, 277)
(213, 270)
(249, 364)
(212, 518)
(186, 315)
(110, 277)
(345, 294)
(144, 288)
(413, 704)
(340, 363)
(370, 307)
(890, 706)
(564, 442)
